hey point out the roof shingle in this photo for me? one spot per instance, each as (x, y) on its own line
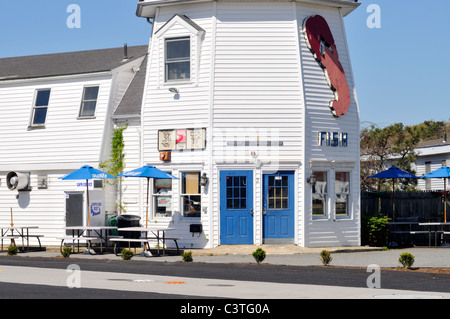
(69, 63)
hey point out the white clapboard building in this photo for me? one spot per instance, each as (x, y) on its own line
(55, 116)
(252, 105)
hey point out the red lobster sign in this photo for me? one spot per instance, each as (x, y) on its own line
(321, 43)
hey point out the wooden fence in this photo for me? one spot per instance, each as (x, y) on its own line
(426, 205)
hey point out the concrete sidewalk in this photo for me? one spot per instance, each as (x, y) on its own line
(286, 255)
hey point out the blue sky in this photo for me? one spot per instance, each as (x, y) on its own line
(401, 69)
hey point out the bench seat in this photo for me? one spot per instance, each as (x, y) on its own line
(141, 240)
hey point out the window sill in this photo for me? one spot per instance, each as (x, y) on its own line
(86, 117)
(36, 127)
(320, 218)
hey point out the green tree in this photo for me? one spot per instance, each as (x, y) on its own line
(393, 145)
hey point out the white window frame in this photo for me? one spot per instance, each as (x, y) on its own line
(155, 196)
(80, 115)
(326, 195)
(167, 62)
(348, 194)
(183, 195)
(33, 111)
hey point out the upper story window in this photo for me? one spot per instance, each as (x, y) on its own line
(40, 107)
(89, 101)
(178, 59)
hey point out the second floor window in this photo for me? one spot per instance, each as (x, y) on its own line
(89, 102)
(40, 107)
(178, 59)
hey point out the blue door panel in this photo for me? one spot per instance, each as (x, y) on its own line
(236, 207)
(278, 205)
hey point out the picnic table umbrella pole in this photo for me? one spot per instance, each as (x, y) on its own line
(393, 173)
(148, 171)
(442, 172)
(86, 173)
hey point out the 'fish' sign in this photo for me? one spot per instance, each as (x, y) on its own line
(321, 43)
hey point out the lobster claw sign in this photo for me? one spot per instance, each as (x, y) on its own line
(321, 43)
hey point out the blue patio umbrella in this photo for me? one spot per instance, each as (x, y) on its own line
(148, 171)
(393, 173)
(87, 172)
(441, 172)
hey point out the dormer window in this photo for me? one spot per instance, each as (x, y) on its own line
(179, 44)
(178, 59)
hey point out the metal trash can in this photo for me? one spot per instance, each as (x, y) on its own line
(129, 221)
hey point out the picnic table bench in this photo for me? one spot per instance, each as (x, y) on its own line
(147, 240)
(86, 240)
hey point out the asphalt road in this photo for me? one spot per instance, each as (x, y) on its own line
(46, 278)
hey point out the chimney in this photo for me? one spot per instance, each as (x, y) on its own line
(125, 51)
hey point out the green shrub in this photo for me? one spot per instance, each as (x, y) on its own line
(259, 255)
(187, 256)
(126, 254)
(12, 250)
(66, 251)
(406, 259)
(378, 231)
(325, 257)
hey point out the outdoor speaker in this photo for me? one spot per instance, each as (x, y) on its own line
(18, 181)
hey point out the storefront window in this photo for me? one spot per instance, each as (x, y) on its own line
(319, 194)
(162, 197)
(191, 194)
(342, 189)
(278, 192)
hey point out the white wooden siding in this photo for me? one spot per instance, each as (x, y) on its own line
(65, 139)
(65, 144)
(251, 87)
(330, 231)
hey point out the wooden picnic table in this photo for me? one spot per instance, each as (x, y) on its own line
(22, 232)
(88, 234)
(436, 230)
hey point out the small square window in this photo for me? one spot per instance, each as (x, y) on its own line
(40, 107)
(178, 59)
(89, 102)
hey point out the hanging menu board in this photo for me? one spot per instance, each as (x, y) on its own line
(182, 139)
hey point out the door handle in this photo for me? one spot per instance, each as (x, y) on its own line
(264, 211)
(251, 211)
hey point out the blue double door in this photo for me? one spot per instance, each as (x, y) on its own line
(237, 211)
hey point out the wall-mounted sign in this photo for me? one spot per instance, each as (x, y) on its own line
(96, 209)
(321, 43)
(190, 139)
(333, 139)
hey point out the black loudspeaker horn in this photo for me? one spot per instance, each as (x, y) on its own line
(18, 181)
